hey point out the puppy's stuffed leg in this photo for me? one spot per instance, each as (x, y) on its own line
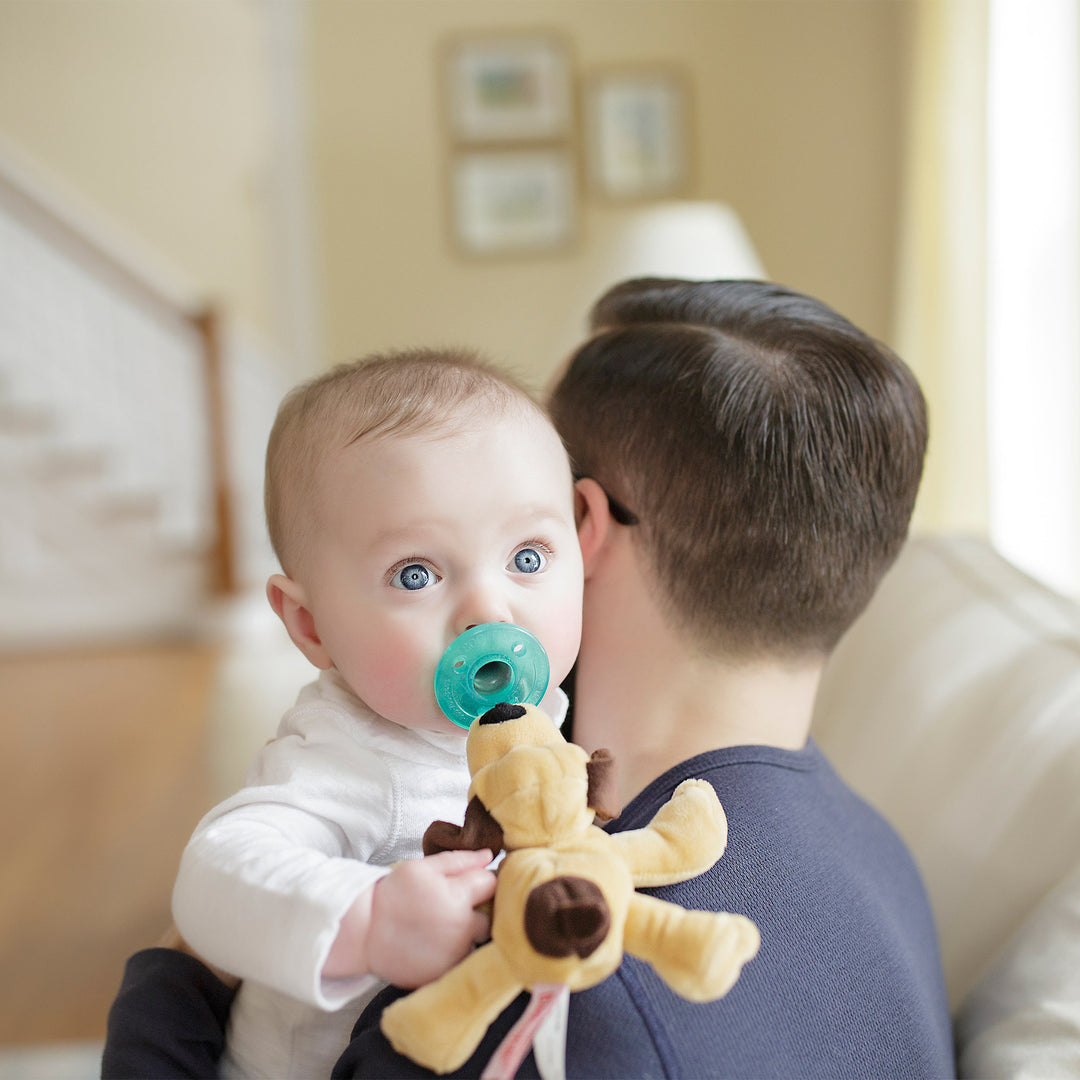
(699, 954)
(441, 1024)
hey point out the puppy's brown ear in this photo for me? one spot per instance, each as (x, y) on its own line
(442, 836)
(480, 830)
(603, 794)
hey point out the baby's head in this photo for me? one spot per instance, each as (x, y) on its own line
(770, 450)
(410, 496)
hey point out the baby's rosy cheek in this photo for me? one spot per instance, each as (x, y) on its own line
(563, 657)
(564, 635)
(399, 667)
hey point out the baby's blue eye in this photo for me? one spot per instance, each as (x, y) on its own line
(412, 577)
(529, 561)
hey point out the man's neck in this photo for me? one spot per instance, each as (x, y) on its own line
(642, 692)
(654, 720)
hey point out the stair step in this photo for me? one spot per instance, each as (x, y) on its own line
(121, 507)
(20, 418)
(67, 464)
(47, 561)
(153, 603)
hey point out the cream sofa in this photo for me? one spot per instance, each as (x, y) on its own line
(953, 705)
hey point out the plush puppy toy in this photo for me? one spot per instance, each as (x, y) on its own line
(565, 908)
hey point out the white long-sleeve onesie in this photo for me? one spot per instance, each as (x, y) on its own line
(337, 797)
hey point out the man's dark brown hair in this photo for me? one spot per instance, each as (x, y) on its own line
(770, 450)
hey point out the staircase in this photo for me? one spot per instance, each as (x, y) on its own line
(131, 436)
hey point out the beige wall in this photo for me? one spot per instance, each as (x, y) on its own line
(797, 125)
(155, 113)
(158, 113)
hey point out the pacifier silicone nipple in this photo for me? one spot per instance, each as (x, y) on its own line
(487, 664)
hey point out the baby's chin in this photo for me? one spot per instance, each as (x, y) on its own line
(433, 721)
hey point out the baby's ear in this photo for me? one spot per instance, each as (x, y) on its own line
(289, 601)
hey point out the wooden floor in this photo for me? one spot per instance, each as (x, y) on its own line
(103, 774)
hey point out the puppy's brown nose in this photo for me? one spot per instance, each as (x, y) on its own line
(499, 714)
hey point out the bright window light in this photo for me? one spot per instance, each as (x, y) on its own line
(1033, 286)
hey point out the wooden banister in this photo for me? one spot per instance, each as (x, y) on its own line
(223, 573)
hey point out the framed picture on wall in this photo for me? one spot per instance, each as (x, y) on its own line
(513, 202)
(508, 89)
(636, 131)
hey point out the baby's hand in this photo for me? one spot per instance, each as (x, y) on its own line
(424, 918)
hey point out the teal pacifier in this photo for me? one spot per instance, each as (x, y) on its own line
(487, 664)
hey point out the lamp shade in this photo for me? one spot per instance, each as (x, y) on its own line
(698, 240)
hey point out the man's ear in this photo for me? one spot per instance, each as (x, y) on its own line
(289, 601)
(593, 519)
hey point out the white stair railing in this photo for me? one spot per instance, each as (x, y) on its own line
(117, 517)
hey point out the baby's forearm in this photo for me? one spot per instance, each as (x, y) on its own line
(266, 911)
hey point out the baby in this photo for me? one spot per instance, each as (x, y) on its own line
(409, 497)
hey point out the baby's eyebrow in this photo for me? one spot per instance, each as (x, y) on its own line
(419, 531)
(533, 518)
(537, 511)
(410, 535)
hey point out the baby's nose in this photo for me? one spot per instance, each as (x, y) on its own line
(481, 606)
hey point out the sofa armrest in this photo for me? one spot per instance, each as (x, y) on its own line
(953, 705)
(1022, 1019)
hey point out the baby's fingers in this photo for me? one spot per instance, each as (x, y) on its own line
(452, 863)
(476, 887)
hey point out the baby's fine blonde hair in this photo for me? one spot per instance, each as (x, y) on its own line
(396, 393)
